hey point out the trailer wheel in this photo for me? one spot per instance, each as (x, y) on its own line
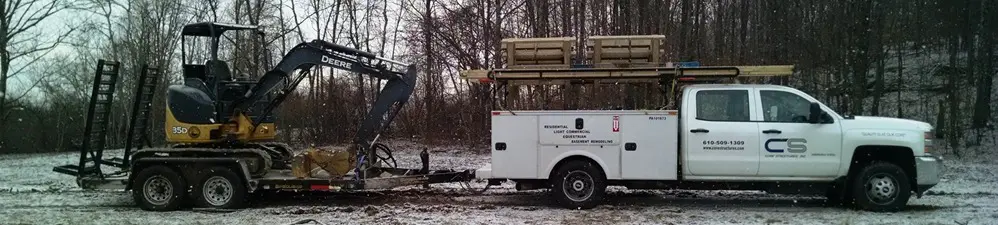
(220, 188)
(881, 187)
(578, 185)
(158, 188)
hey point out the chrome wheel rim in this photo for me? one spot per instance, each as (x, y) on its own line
(578, 186)
(157, 190)
(882, 188)
(217, 191)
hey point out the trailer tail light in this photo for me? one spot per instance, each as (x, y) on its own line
(320, 187)
(928, 142)
(496, 113)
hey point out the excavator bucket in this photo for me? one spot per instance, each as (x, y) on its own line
(325, 163)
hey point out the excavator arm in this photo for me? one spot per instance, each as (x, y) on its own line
(401, 80)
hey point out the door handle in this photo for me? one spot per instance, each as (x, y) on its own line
(772, 131)
(630, 146)
(699, 130)
(500, 146)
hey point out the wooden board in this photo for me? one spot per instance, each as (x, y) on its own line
(622, 51)
(521, 52)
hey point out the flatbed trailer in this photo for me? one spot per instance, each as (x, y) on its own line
(282, 180)
(164, 179)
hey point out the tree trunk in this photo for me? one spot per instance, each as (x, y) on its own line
(952, 100)
(982, 105)
(743, 31)
(900, 80)
(429, 86)
(860, 54)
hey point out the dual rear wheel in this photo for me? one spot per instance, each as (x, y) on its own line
(161, 188)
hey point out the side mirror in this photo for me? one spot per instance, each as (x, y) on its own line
(815, 115)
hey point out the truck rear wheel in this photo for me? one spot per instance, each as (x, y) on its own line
(220, 188)
(881, 187)
(158, 188)
(578, 185)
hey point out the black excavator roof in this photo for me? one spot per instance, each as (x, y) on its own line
(211, 29)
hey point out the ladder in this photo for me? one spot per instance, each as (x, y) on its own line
(95, 131)
(144, 93)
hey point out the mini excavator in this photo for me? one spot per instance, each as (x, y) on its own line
(220, 128)
(216, 113)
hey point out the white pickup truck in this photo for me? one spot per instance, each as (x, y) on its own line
(730, 136)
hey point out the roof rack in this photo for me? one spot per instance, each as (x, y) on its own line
(607, 59)
(532, 76)
(634, 58)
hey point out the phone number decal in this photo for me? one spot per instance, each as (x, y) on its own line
(723, 145)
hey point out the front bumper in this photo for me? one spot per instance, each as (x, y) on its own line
(929, 170)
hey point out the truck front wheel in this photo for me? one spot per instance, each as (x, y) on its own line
(578, 185)
(158, 188)
(881, 187)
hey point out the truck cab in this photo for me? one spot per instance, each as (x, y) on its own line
(722, 136)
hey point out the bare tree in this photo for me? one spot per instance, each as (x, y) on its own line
(23, 44)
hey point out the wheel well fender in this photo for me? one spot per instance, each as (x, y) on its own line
(572, 156)
(898, 155)
(189, 168)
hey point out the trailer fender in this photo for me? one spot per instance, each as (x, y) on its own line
(185, 163)
(576, 155)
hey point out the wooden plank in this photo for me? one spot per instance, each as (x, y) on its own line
(618, 37)
(624, 49)
(537, 54)
(763, 71)
(538, 51)
(548, 39)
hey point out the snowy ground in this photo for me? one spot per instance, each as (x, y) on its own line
(31, 194)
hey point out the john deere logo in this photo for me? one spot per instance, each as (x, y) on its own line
(194, 132)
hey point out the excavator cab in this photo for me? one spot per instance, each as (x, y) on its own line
(210, 86)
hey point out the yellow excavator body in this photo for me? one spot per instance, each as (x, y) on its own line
(240, 129)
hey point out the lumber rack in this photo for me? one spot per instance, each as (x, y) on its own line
(607, 60)
(534, 76)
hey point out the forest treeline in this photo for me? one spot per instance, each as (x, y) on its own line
(932, 61)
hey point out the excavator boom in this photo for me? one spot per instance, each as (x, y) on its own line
(401, 80)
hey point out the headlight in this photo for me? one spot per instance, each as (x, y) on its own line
(928, 141)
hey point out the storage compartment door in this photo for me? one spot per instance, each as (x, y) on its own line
(649, 150)
(514, 146)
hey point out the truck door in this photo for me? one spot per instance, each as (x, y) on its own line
(790, 145)
(720, 137)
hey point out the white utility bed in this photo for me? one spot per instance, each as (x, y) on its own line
(626, 144)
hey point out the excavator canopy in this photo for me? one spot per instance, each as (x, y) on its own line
(210, 29)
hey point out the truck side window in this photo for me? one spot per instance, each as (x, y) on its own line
(723, 105)
(781, 106)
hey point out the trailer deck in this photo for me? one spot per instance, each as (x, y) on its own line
(282, 180)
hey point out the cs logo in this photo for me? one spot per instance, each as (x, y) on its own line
(794, 145)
